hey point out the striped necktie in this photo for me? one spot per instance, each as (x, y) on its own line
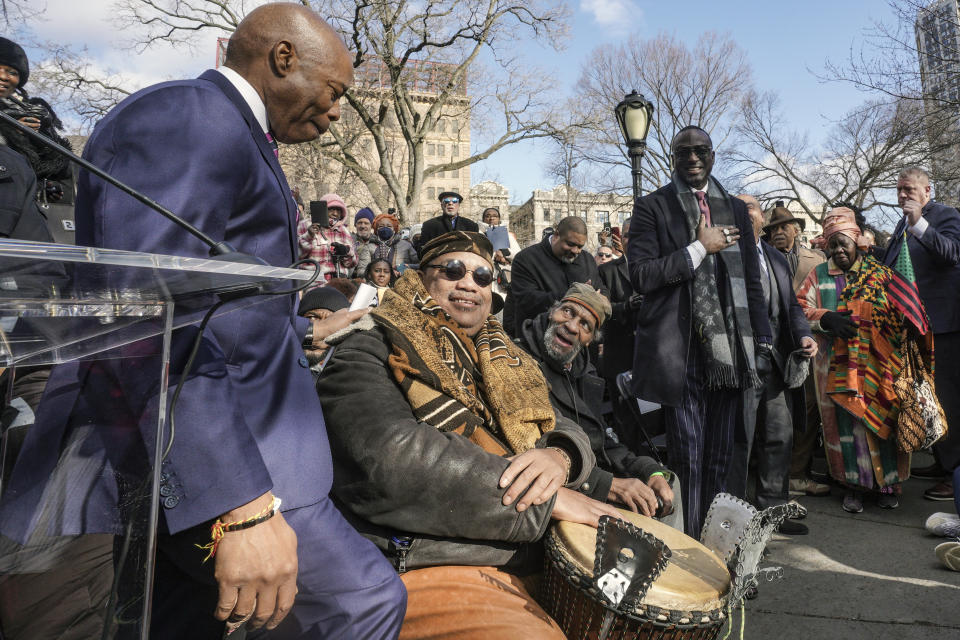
(273, 145)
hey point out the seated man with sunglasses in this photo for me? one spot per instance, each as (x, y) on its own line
(464, 462)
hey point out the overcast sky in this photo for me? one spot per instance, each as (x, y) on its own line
(782, 39)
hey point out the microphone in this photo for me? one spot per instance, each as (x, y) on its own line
(218, 250)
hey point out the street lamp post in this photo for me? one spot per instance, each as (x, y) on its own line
(634, 114)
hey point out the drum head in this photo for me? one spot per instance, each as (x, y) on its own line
(695, 579)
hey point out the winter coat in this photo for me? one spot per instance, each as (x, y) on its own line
(395, 476)
(576, 393)
(538, 279)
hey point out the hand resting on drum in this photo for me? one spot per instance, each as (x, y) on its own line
(663, 490)
(634, 495)
(573, 506)
(533, 477)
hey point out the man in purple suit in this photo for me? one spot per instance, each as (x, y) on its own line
(249, 427)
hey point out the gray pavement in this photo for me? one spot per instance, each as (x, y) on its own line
(869, 576)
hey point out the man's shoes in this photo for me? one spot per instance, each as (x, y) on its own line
(888, 501)
(943, 524)
(806, 486)
(949, 554)
(930, 472)
(852, 502)
(793, 528)
(940, 491)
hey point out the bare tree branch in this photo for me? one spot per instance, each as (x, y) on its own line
(700, 86)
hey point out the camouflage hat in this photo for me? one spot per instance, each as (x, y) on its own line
(469, 241)
(589, 298)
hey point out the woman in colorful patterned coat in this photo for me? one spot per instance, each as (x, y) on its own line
(859, 309)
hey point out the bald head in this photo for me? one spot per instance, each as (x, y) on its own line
(755, 212)
(297, 64)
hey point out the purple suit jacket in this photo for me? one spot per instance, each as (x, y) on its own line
(248, 419)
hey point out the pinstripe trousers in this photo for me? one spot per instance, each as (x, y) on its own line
(700, 441)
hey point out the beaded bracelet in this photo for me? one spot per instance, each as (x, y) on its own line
(219, 528)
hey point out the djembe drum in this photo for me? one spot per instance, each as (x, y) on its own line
(686, 599)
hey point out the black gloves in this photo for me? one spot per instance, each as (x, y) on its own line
(634, 301)
(838, 324)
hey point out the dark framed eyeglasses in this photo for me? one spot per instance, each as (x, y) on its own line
(456, 270)
(450, 201)
(703, 152)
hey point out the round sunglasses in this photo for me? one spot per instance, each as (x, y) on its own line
(456, 270)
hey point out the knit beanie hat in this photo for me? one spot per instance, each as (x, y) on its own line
(366, 212)
(13, 55)
(591, 300)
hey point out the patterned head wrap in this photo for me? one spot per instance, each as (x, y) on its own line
(386, 216)
(840, 220)
(469, 241)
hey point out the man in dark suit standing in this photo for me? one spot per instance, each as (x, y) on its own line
(249, 426)
(692, 255)
(931, 233)
(768, 410)
(448, 220)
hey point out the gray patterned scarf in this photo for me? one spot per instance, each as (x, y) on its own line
(723, 326)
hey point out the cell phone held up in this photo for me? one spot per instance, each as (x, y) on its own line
(319, 214)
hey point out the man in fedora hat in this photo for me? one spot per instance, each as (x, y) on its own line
(448, 220)
(782, 232)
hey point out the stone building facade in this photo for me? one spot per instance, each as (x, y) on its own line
(545, 208)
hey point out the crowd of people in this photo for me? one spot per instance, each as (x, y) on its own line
(423, 445)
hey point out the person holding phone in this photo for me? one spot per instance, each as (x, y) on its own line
(328, 241)
(35, 113)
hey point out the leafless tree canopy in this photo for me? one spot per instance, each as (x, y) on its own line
(888, 61)
(419, 65)
(859, 163)
(67, 78)
(15, 14)
(702, 85)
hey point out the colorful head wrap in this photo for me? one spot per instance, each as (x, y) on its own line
(840, 220)
(469, 241)
(386, 216)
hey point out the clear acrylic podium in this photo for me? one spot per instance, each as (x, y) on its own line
(62, 304)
